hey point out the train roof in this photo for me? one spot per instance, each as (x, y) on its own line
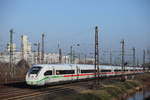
(82, 66)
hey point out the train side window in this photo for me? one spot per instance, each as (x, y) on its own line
(49, 72)
(116, 70)
(59, 72)
(87, 71)
(35, 70)
(105, 70)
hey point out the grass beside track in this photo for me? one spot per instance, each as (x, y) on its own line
(112, 91)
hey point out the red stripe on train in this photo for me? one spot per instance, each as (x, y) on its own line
(99, 73)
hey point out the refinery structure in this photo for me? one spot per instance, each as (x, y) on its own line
(34, 53)
(27, 53)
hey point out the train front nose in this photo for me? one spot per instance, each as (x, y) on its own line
(33, 77)
(34, 80)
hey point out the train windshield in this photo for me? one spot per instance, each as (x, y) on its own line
(35, 70)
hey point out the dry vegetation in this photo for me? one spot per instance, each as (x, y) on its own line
(15, 73)
(116, 90)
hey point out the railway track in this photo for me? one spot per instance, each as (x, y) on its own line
(35, 94)
(23, 92)
(51, 91)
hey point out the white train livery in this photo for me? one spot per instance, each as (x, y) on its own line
(42, 74)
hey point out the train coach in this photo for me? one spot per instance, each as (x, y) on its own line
(42, 74)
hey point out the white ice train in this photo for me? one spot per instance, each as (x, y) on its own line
(42, 74)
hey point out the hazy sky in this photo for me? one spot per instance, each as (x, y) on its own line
(72, 21)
